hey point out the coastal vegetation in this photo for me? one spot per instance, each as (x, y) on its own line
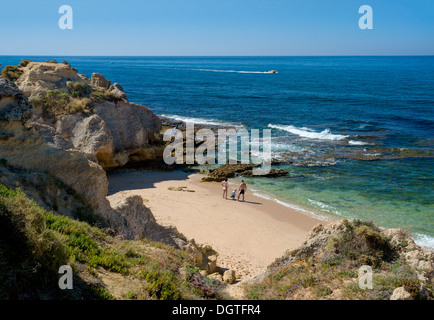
(57, 103)
(38, 242)
(11, 72)
(332, 272)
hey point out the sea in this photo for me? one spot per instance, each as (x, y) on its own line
(356, 134)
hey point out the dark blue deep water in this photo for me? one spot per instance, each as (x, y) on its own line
(360, 129)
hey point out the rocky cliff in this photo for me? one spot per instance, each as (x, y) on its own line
(38, 158)
(327, 266)
(92, 116)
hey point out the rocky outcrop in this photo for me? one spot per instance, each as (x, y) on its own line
(98, 80)
(404, 271)
(204, 256)
(32, 149)
(39, 149)
(38, 78)
(401, 294)
(98, 120)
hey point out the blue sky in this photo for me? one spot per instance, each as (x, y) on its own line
(217, 27)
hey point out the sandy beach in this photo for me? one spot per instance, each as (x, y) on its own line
(248, 235)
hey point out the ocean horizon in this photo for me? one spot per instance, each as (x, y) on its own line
(358, 130)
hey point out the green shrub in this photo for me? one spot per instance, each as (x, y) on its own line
(98, 95)
(11, 72)
(77, 89)
(162, 285)
(56, 103)
(24, 63)
(30, 253)
(132, 295)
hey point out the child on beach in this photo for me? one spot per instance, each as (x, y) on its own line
(233, 194)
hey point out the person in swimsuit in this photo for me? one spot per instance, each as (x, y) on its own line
(225, 185)
(242, 190)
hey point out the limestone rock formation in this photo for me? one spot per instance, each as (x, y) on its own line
(229, 276)
(94, 116)
(39, 156)
(204, 256)
(348, 245)
(98, 80)
(38, 78)
(401, 294)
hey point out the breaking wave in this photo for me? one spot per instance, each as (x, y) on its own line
(309, 133)
(210, 122)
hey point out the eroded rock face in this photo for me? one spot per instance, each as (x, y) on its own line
(39, 77)
(37, 148)
(13, 105)
(231, 170)
(113, 133)
(98, 80)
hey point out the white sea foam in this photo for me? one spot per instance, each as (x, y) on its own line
(324, 207)
(210, 122)
(357, 143)
(309, 133)
(289, 205)
(424, 240)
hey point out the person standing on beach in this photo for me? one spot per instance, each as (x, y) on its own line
(242, 190)
(225, 185)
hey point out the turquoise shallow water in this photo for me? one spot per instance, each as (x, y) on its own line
(326, 113)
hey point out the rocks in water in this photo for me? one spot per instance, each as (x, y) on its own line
(231, 170)
(117, 90)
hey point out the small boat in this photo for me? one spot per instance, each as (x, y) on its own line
(272, 71)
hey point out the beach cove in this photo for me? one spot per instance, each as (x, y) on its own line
(247, 235)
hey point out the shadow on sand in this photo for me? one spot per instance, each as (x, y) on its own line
(130, 179)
